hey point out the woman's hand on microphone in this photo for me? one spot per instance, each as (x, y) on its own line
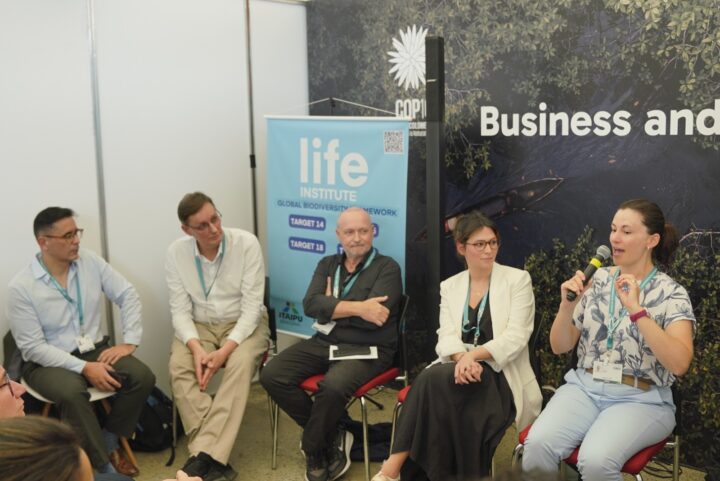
(576, 285)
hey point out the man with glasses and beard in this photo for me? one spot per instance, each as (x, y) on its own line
(55, 308)
(216, 278)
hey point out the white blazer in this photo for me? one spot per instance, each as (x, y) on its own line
(512, 307)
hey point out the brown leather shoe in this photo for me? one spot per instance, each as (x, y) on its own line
(122, 465)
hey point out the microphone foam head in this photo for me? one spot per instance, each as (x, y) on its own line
(603, 253)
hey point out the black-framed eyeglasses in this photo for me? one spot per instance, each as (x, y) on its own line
(7, 382)
(69, 237)
(481, 244)
(214, 220)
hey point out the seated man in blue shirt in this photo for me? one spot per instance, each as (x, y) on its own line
(54, 308)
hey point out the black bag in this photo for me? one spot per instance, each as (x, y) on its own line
(153, 431)
(378, 440)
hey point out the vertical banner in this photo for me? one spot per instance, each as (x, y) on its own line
(318, 167)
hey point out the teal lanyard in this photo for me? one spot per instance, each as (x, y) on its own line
(198, 266)
(353, 277)
(66, 294)
(481, 310)
(615, 321)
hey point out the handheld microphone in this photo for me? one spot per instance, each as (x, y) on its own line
(603, 253)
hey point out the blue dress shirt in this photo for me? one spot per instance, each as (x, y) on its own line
(45, 324)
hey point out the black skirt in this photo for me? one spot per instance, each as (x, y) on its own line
(452, 430)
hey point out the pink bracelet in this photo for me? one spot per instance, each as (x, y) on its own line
(638, 315)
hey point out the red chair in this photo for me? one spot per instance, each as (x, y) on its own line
(311, 385)
(633, 466)
(401, 395)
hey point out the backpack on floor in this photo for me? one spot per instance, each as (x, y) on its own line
(153, 431)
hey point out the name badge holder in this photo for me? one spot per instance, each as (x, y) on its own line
(607, 371)
(84, 344)
(324, 328)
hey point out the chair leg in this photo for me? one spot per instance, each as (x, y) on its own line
(676, 458)
(376, 403)
(517, 452)
(174, 423)
(366, 453)
(123, 440)
(396, 413)
(128, 451)
(274, 418)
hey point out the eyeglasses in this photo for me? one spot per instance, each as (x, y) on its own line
(8, 383)
(69, 237)
(480, 245)
(214, 220)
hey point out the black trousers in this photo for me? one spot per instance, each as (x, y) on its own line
(319, 418)
(68, 390)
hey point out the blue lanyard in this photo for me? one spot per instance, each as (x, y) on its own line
(198, 266)
(481, 310)
(615, 321)
(353, 277)
(66, 294)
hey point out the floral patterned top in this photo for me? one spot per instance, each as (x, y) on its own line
(666, 302)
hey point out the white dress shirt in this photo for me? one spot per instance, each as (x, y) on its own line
(237, 277)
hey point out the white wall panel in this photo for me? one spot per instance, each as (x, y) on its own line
(46, 137)
(175, 118)
(280, 84)
(172, 88)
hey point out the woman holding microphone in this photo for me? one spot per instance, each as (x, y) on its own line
(633, 326)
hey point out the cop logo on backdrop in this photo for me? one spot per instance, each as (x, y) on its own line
(408, 68)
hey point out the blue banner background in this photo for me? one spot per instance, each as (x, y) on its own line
(306, 192)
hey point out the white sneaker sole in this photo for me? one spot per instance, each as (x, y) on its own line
(347, 447)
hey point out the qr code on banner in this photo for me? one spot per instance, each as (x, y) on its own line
(394, 142)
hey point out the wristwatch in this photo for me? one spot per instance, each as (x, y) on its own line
(638, 315)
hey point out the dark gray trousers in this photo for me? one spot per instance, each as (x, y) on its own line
(68, 391)
(319, 418)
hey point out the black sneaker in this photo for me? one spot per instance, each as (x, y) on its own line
(198, 465)
(338, 455)
(220, 472)
(317, 467)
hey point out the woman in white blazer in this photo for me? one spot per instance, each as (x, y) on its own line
(458, 409)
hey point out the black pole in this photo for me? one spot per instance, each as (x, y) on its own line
(251, 111)
(435, 175)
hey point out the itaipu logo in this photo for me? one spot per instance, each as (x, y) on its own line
(290, 313)
(408, 58)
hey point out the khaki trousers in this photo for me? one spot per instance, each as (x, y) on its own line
(212, 422)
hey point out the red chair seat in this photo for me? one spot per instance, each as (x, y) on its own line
(403, 394)
(633, 465)
(311, 384)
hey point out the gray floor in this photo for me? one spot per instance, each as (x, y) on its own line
(251, 457)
